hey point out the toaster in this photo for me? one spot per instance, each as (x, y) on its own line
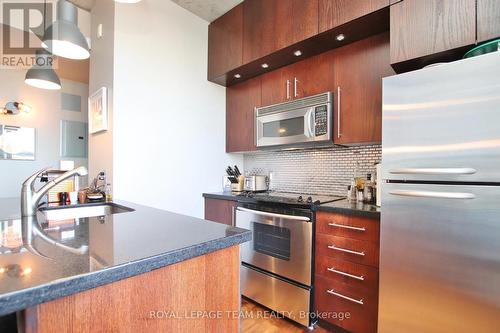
(255, 183)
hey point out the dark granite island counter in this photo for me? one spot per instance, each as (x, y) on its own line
(117, 270)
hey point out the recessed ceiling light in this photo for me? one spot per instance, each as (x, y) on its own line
(264, 66)
(297, 53)
(340, 37)
(237, 76)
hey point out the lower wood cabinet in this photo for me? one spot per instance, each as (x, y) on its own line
(346, 271)
(221, 211)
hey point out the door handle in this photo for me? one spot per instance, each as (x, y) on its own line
(338, 113)
(333, 247)
(287, 89)
(295, 85)
(434, 171)
(334, 293)
(333, 270)
(431, 194)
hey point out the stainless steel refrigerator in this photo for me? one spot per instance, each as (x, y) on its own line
(440, 222)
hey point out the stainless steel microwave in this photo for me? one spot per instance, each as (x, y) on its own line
(302, 122)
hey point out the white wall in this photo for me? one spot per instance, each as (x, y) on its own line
(45, 116)
(101, 75)
(169, 121)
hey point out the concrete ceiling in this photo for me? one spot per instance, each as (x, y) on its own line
(208, 10)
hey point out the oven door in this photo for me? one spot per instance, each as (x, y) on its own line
(287, 127)
(281, 244)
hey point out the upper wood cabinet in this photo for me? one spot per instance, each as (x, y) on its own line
(333, 13)
(424, 27)
(488, 19)
(271, 25)
(241, 100)
(225, 43)
(359, 69)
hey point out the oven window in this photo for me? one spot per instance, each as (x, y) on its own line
(272, 240)
(284, 128)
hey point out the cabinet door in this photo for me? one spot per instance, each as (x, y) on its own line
(241, 100)
(359, 69)
(221, 211)
(333, 13)
(270, 25)
(420, 28)
(225, 43)
(488, 19)
(277, 86)
(313, 76)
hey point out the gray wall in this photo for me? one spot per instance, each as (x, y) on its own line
(45, 116)
(320, 171)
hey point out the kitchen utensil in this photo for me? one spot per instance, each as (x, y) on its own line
(73, 197)
(238, 173)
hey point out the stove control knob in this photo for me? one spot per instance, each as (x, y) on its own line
(309, 200)
(300, 199)
(317, 202)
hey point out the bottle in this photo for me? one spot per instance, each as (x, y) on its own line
(109, 195)
(358, 178)
(368, 190)
(360, 196)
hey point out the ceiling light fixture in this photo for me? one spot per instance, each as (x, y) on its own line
(63, 37)
(42, 75)
(340, 37)
(237, 76)
(297, 53)
(264, 66)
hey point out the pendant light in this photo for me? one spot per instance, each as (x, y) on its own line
(42, 75)
(63, 38)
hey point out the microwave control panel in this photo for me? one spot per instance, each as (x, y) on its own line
(321, 117)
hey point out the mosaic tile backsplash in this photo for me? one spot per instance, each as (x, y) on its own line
(314, 171)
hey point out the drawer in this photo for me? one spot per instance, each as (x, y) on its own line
(348, 226)
(340, 305)
(363, 277)
(353, 250)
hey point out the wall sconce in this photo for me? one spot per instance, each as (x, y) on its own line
(13, 108)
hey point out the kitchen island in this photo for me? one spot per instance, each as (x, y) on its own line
(138, 269)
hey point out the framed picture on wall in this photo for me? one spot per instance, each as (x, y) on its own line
(98, 111)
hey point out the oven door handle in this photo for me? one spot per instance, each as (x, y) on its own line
(288, 217)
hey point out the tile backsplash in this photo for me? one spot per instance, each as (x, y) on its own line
(314, 171)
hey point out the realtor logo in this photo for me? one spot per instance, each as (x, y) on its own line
(23, 26)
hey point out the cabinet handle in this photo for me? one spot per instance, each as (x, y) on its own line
(287, 89)
(347, 227)
(333, 247)
(333, 270)
(338, 113)
(233, 216)
(332, 292)
(295, 83)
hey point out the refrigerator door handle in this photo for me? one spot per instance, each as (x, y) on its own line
(434, 171)
(431, 194)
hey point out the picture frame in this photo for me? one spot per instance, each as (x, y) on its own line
(98, 111)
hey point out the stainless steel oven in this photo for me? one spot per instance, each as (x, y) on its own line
(302, 122)
(276, 266)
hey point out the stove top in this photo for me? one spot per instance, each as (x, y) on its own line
(296, 199)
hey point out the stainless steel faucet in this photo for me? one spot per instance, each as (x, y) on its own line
(30, 198)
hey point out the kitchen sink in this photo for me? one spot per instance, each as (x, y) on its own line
(58, 214)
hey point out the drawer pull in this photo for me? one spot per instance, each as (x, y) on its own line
(333, 270)
(347, 227)
(332, 292)
(333, 247)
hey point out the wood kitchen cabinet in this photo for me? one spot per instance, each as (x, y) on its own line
(359, 69)
(333, 13)
(225, 43)
(420, 28)
(241, 100)
(221, 211)
(488, 19)
(271, 25)
(346, 269)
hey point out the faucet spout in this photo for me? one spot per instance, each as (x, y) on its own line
(30, 198)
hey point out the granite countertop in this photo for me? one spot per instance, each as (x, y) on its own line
(114, 247)
(342, 206)
(351, 208)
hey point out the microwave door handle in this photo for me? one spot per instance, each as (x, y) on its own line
(310, 123)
